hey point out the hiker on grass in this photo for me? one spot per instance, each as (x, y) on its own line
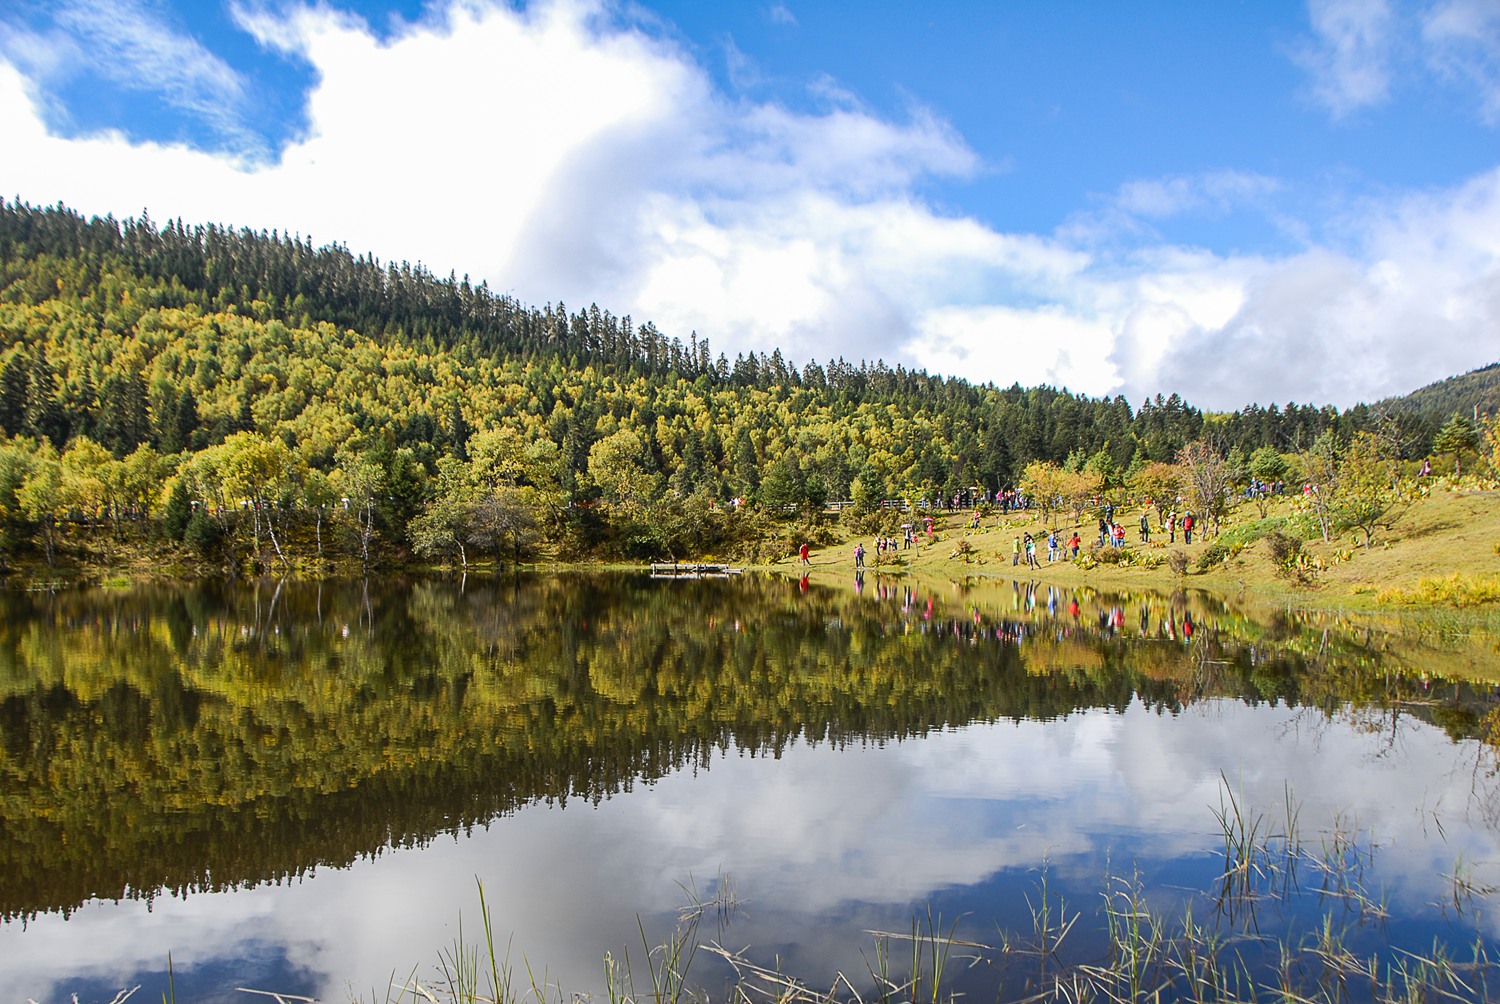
(1015, 557)
(1172, 527)
(1052, 547)
(1074, 542)
(802, 554)
(859, 556)
(1187, 527)
(1031, 553)
(1145, 529)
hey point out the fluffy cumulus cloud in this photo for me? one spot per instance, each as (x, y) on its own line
(563, 152)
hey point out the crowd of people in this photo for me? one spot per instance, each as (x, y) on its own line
(1060, 546)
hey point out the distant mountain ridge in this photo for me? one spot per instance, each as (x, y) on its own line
(1437, 402)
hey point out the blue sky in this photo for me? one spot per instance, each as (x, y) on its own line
(1255, 201)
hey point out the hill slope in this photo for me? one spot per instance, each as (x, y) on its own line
(1437, 402)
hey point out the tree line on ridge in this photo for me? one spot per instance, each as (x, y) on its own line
(262, 400)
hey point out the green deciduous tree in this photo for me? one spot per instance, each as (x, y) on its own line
(1370, 492)
(1042, 482)
(1320, 469)
(1269, 467)
(617, 465)
(361, 485)
(442, 528)
(42, 497)
(1157, 484)
(1206, 477)
(505, 519)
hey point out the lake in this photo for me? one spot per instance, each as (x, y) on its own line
(302, 787)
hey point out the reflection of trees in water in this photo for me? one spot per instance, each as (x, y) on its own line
(204, 738)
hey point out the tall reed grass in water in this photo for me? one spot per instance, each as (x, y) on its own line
(1137, 952)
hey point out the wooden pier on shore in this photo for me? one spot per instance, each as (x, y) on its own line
(678, 570)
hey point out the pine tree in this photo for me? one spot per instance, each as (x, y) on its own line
(185, 423)
(178, 513)
(14, 378)
(457, 432)
(44, 417)
(1456, 437)
(123, 423)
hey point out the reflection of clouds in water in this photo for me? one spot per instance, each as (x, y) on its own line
(840, 839)
(112, 942)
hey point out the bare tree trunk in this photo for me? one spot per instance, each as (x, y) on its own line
(271, 529)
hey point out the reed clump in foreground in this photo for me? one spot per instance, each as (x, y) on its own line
(1133, 952)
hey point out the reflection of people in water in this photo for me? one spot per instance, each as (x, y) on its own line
(1160, 616)
(803, 584)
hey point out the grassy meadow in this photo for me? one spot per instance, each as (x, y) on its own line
(1444, 551)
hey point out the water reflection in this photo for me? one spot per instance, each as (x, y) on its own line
(300, 782)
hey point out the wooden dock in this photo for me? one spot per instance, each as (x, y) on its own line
(678, 570)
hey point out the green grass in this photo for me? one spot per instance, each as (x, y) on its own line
(1455, 529)
(1456, 590)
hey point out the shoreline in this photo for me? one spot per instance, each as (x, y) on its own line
(1453, 533)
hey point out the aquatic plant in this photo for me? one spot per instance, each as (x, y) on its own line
(1143, 953)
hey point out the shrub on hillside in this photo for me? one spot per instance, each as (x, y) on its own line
(1283, 549)
(1214, 554)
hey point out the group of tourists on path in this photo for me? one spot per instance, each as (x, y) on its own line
(1111, 534)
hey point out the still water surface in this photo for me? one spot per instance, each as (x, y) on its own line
(298, 787)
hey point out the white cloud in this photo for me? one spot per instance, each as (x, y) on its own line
(779, 13)
(1349, 56)
(1361, 52)
(1218, 192)
(1416, 300)
(1463, 37)
(563, 154)
(132, 45)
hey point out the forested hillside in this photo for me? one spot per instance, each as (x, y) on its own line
(1477, 390)
(233, 390)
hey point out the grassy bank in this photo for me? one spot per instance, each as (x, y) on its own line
(1443, 552)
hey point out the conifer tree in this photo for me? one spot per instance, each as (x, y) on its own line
(44, 417)
(15, 376)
